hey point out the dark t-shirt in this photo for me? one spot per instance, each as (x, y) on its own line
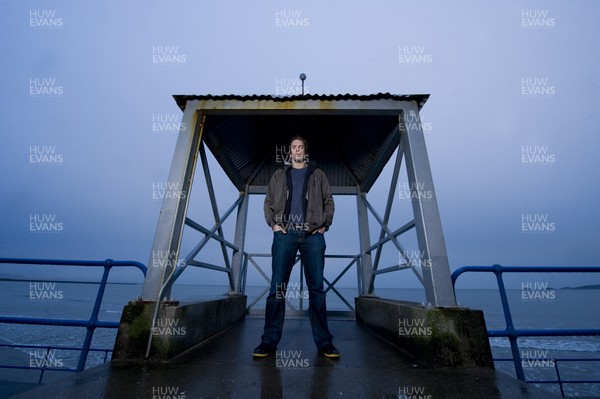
(296, 216)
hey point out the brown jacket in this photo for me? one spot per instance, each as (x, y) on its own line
(319, 206)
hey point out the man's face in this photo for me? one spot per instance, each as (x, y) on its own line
(297, 150)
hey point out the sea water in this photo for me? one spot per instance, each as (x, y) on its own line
(575, 308)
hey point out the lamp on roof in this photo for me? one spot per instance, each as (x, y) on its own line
(302, 78)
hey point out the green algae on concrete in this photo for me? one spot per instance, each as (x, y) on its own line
(176, 329)
(432, 337)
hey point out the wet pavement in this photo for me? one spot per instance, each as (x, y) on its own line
(223, 367)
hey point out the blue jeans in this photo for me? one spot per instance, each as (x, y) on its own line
(312, 252)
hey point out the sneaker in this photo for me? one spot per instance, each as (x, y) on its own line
(263, 350)
(330, 351)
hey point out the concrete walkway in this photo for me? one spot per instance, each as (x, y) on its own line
(223, 367)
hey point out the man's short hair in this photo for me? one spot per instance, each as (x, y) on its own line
(303, 140)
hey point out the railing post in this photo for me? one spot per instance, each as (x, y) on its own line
(44, 365)
(514, 347)
(560, 383)
(94, 318)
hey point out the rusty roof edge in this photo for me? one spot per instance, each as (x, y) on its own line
(421, 99)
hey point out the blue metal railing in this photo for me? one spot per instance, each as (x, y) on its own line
(513, 333)
(91, 324)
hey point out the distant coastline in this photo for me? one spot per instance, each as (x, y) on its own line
(8, 277)
(61, 281)
(583, 287)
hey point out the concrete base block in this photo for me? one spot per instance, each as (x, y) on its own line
(177, 327)
(436, 337)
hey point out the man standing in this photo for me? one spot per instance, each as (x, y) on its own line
(299, 208)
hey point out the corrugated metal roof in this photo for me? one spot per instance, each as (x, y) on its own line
(351, 148)
(181, 99)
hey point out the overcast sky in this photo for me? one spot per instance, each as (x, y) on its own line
(511, 125)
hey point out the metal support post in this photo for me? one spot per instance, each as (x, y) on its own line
(215, 209)
(365, 243)
(390, 201)
(239, 242)
(169, 230)
(432, 248)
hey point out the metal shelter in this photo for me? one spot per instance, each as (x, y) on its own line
(352, 137)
